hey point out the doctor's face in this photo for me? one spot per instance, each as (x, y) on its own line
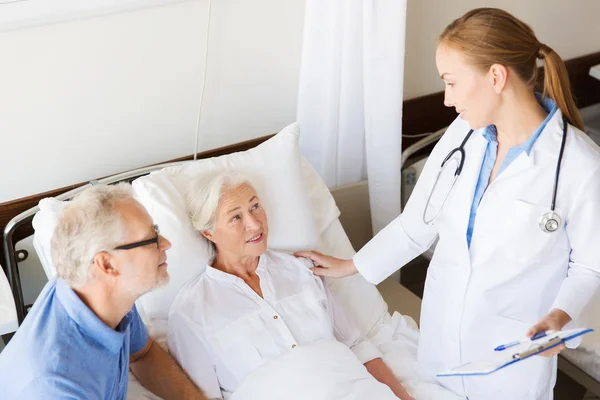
(240, 228)
(468, 88)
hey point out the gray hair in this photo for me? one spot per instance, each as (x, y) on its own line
(89, 225)
(204, 193)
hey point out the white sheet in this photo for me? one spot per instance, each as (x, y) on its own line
(322, 371)
(396, 336)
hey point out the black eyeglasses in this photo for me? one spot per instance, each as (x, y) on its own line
(142, 243)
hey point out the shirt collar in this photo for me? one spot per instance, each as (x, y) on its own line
(490, 132)
(89, 322)
(224, 276)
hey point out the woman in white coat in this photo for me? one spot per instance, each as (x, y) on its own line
(496, 275)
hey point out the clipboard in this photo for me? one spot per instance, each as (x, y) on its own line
(497, 360)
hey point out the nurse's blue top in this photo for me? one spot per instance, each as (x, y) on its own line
(489, 159)
(64, 351)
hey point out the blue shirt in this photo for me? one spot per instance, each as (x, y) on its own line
(64, 351)
(489, 159)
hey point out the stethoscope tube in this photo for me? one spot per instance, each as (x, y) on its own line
(461, 150)
(459, 167)
(549, 221)
(558, 163)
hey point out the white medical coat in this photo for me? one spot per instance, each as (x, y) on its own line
(514, 273)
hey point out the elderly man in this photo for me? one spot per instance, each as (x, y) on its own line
(84, 333)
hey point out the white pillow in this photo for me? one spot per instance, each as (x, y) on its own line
(322, 203)
(354, 293)
(275, 169)
(8, 311)
(299, 205)
(43, 224)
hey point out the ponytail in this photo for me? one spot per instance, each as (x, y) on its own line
(557, 85)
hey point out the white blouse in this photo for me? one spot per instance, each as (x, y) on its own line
(220, 330)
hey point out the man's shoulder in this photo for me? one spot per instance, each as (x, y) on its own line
(46, 343)
(52, 386)
(54, 364)
(46, 324)
(38, 367)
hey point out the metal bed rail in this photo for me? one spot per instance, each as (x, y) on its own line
(420, 145)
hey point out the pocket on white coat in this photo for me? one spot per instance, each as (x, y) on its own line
(524, 240)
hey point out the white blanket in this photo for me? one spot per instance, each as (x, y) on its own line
(396, 336)
(330, 371)
(324, 371)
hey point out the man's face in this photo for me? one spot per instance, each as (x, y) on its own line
(143, 268)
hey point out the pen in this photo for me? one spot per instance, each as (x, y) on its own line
(534, 337)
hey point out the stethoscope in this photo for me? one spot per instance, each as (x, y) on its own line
(549, 222)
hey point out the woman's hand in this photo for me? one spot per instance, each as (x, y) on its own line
(384, 374)
(327, 265)
(555, 320)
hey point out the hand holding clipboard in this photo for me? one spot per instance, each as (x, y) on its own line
(511, 353)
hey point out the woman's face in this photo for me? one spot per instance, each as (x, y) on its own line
(241, 228)
(471, 91)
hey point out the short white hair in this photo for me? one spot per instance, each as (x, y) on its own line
(204, 193)
(89, 225)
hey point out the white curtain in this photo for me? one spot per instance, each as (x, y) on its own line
(350, 96)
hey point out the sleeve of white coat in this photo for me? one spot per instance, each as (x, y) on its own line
(187, 346)
(583, 275)
(347, 332)
(407, 236)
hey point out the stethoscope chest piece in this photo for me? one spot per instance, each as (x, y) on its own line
(550, 222)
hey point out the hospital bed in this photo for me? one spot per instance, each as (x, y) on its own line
(395, 335)
(581, 364)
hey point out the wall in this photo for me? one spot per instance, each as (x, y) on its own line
(16, 14)
(92, 97)
(572, 28)
(96, 96)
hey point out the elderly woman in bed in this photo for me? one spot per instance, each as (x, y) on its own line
(253, 305)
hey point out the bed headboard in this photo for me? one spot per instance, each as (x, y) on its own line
(420, 115)
(10, 209)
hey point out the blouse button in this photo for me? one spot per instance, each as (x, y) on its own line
(275, 317)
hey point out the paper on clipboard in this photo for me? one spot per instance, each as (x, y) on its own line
(496, 360)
